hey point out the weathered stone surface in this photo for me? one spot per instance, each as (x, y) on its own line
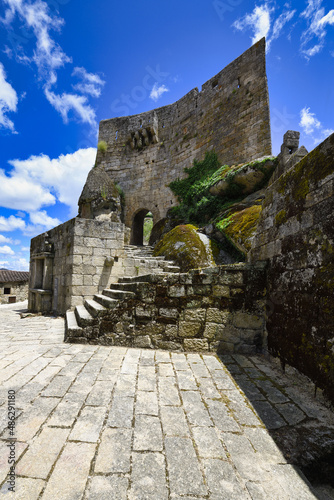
(148, 476)
(185, 477)
(196, 345)
(188, 329)
(114, 451)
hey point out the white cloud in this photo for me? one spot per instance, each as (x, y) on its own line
(308, 121)
(157, 91)
(91, 84)
(313, 127)
(49, 57)
(62, 178)
(8, 101)
(316, 32)
(40, 222)
(258, 21)
(3, 239)
(6, 250)
(25, 249)
(280, 22)
(11, 223)
(16, 263)
(20, 192)
(72, 102)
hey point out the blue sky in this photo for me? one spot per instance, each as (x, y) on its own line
(67, 64)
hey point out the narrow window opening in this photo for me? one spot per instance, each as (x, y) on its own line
(239, 84)
(215, 84)
(116, 134)
(290, 151)
(115, 259)
(6, 291)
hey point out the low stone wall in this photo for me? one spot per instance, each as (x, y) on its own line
(296, 235)
(213, 309)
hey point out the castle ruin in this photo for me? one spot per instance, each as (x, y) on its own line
(116, 294)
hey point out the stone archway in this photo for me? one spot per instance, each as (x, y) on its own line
(137, 227)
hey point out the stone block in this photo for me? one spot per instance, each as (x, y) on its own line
(214, 315)
(220, 291)
(176, 291)
(168, 312)
(245, 320)
(143, 341)
(187, 329)
(171, 330)
(231, 278)
(194, 315)
(196, 345)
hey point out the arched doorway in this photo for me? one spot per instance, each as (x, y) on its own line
(141, 227)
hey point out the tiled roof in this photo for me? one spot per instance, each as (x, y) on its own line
(10, 276)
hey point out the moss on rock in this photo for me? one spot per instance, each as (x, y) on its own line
(188, 248)
(240, 227)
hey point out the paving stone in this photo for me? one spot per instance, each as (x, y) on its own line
(197, 413)
(146, 378)
(114, 451)
(263, 444)
(186, 381)
(222, 416)
(4, 455)
(208, 388)
(249, 464)
(256, 491)
(100, 395)
(25, 488)
(243, 361)
(208, 443)
(269, 416)
(69, 477)
(34, 417)
(166, 370)
(121, 412)
(185, 477)
(274, 395)
(291, 482)
(107, 488)
(174, 422)
(242, 411)
(126, 385)
(292, 414)
(88, 425)
(147, 403)
(42, 453)
(168, 392)
(222, 481)
(67, 410)
(148, 477)
(147, 434)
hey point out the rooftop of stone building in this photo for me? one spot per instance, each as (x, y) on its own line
(7, 276)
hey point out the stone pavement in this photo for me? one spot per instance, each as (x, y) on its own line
(97, 422)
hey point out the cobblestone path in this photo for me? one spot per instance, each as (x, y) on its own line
(98, 423)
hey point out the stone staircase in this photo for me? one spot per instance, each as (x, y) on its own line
(87, 317)
(140, 260)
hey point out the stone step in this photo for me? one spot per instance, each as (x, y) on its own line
(83, 317)
(94, 308)
(172, 269)
(130, 287)
(72, 327)
(105, 301)
(139, 279)
(118, 294)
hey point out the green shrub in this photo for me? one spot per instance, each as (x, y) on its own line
(102, 146)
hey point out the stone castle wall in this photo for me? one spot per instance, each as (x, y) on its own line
(296, 235)
(230, 114)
